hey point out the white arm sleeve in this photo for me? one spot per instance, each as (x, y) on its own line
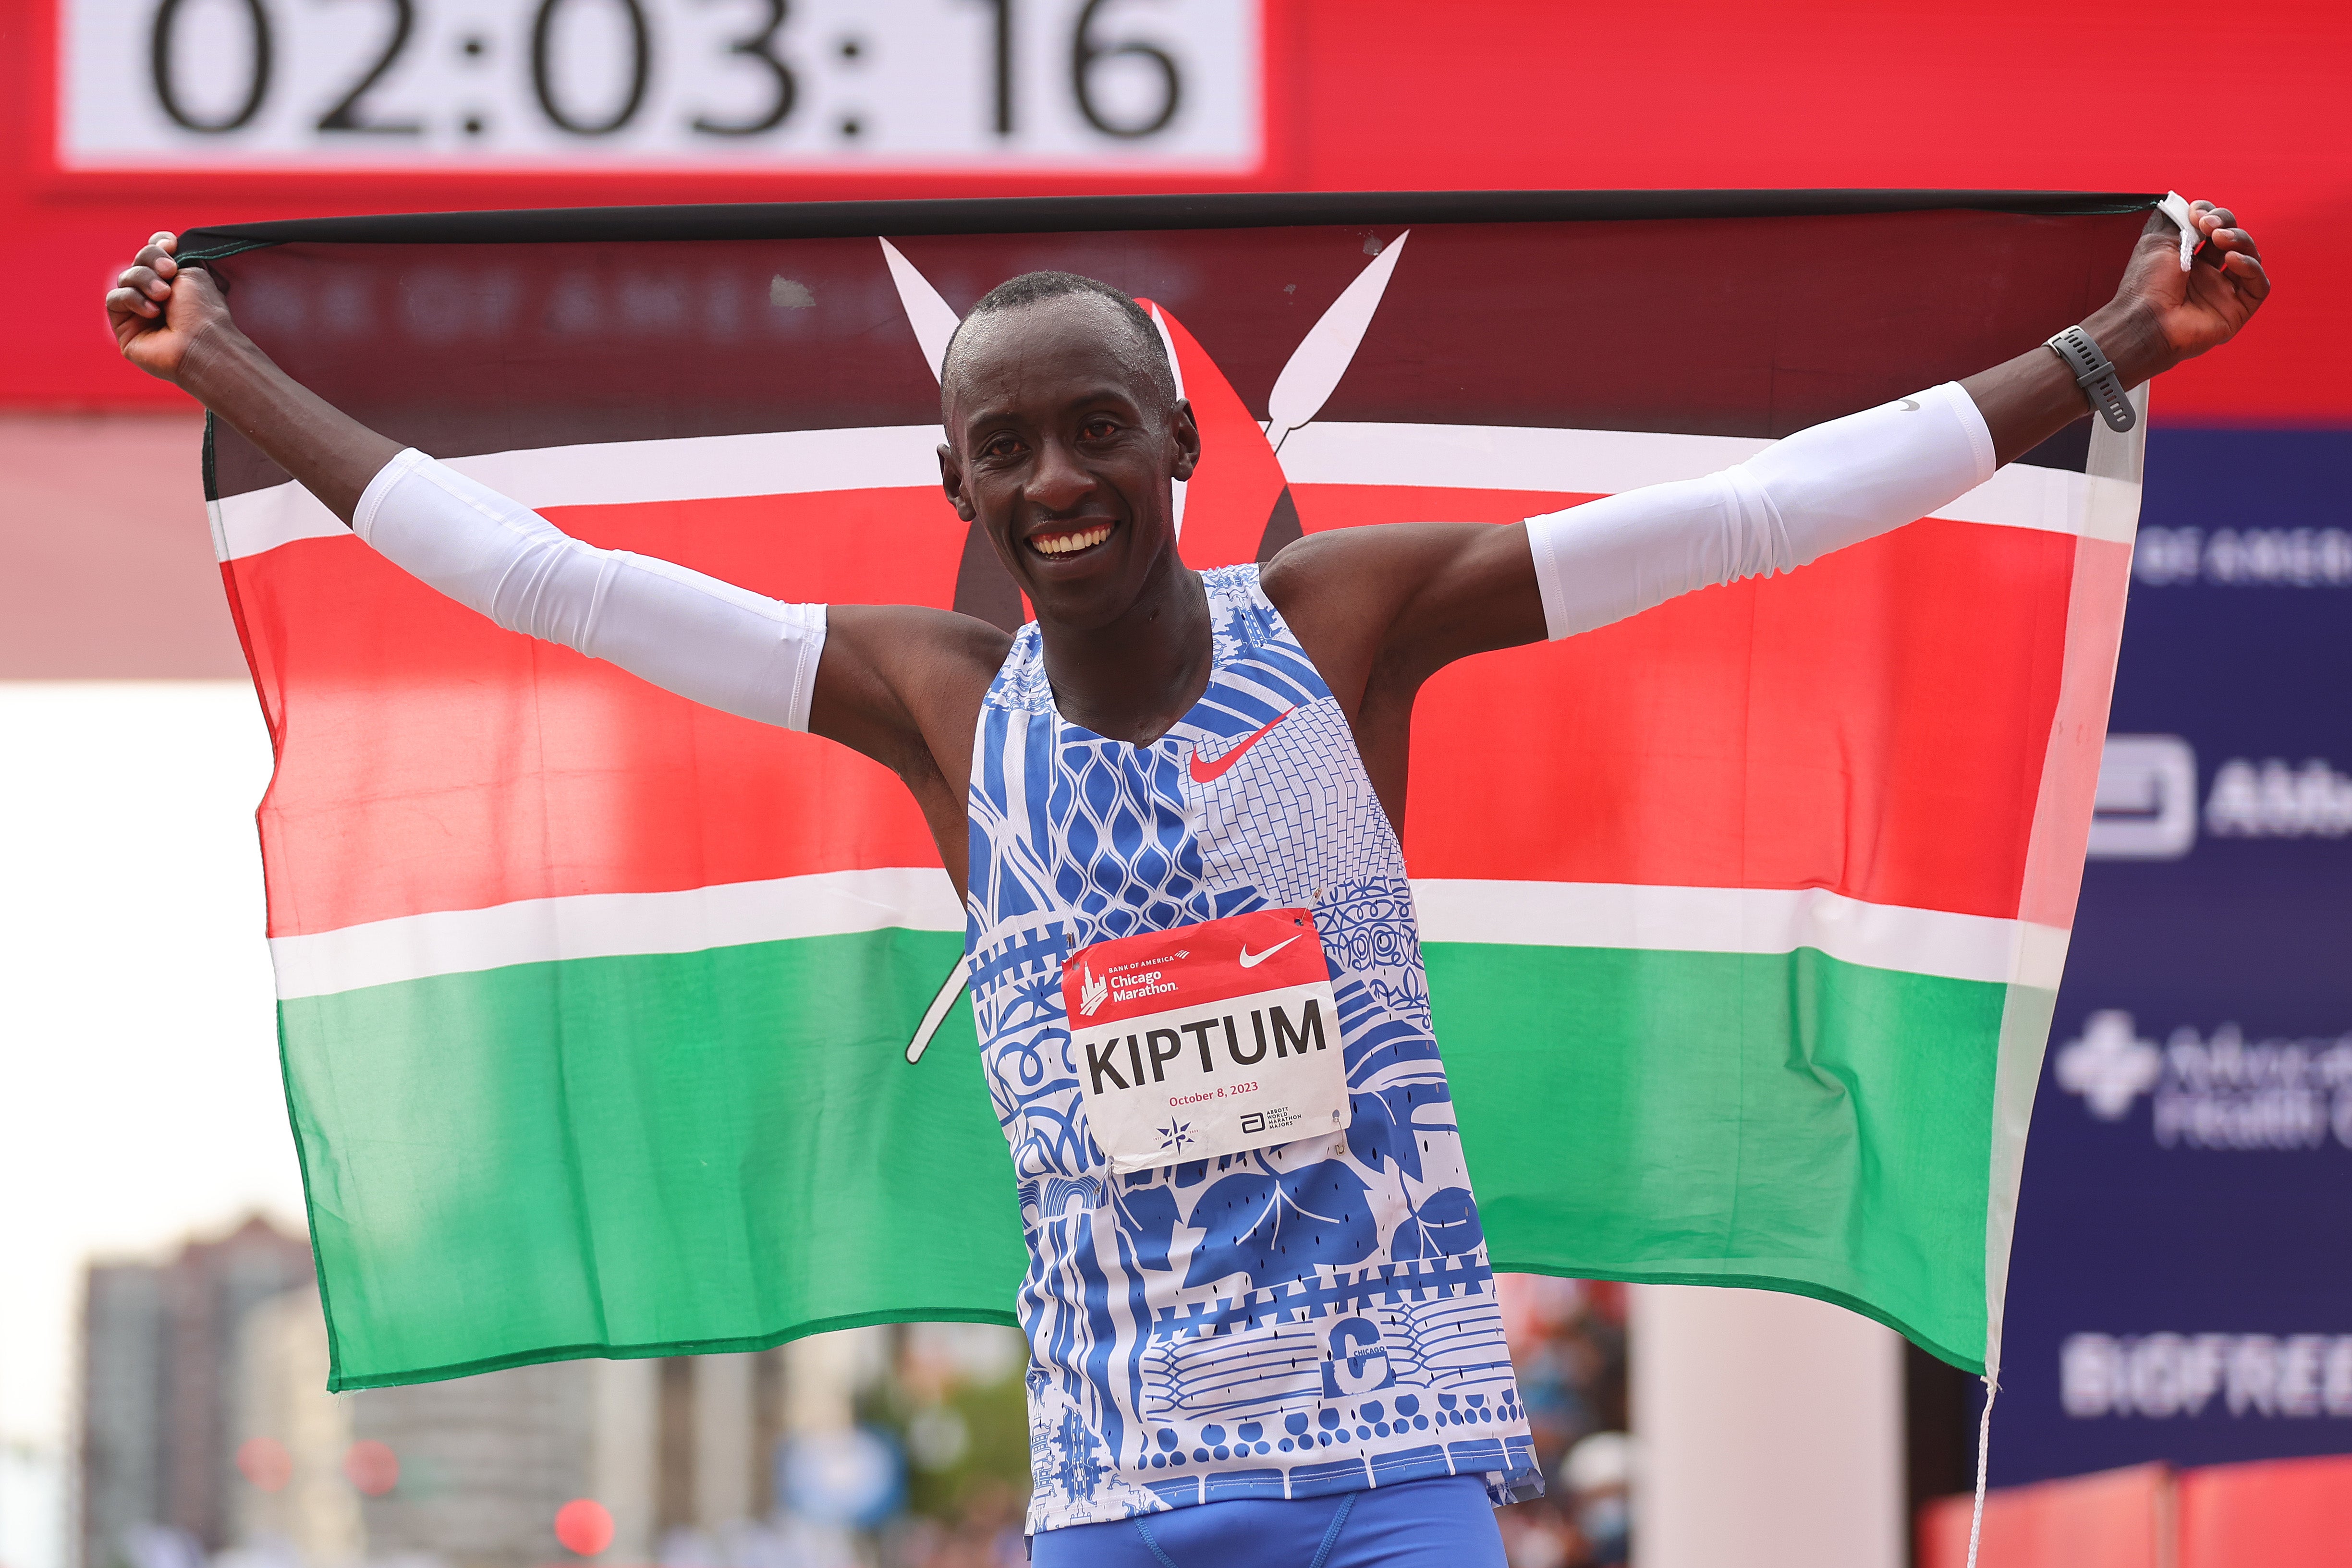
(1820, 490)
(695, 635)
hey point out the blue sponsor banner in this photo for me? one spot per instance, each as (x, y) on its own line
(2181, 1284)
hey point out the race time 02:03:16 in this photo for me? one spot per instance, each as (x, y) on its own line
(814, 84)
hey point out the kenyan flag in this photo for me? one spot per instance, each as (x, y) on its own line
(613, 1025)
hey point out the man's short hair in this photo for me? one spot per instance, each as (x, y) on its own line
(1035, 288)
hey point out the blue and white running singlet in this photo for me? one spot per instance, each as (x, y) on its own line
(1312, 1318)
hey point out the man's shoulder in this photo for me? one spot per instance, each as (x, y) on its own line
(1362, 566)
(1308, 562)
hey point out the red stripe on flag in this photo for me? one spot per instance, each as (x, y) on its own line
(1886, 711)
(429, 760)
(2070, 782)
(1875, 725)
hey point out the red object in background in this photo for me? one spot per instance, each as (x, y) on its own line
(584, 1526)
(370, 1467)
(2117, 1518)
(265, 1462)
(2283, 1513)
(2277, 1513)
(1384, 95)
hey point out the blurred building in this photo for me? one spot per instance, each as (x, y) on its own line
(470, 1472)
(162, 1348)
(207, 1429)
(292, 1437)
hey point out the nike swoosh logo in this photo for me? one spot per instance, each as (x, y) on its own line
(1252, 960)
(1910, 405)
(1210, 772)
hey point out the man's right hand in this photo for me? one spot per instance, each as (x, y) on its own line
(172, 322)
(158, 311)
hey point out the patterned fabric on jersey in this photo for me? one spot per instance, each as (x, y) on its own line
(1313, 1318)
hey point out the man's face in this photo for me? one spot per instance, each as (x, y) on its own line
(1061, 445)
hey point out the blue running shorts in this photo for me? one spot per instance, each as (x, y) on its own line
(1441, 1523)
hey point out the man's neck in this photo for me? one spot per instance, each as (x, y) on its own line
(1133, 677)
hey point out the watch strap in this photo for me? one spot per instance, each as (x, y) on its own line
(2097, 376)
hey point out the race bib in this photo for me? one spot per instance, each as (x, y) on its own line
(1207, 1039)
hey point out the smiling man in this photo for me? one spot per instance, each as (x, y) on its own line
(1260, 1309)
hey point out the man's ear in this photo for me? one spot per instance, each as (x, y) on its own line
(952, 481)
(1186, 433)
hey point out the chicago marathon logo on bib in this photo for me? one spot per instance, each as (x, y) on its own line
(1206, 1040)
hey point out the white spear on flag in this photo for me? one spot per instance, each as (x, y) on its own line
(932, 318)
(1323, 355)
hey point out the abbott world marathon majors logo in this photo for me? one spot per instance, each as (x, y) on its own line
(2147, 804)
(2213, 1092)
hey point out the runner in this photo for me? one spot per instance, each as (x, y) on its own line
(1258, 1279)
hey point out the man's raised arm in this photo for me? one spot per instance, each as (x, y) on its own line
(1437, 593)
(703, 638)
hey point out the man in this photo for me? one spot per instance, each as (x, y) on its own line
(1171, 805)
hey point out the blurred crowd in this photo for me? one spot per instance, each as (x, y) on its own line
(1567, 1343)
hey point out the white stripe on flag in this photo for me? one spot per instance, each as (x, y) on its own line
(1505, 456)
(616, 472)
(1458, 456)
(1740, 920)
(1520, 914)
(613, 925)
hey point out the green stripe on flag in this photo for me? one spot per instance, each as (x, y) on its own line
(644, 1156)
(1784, 1120)
(720, 1150)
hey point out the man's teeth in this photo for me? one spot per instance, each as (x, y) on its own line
(1064, 543)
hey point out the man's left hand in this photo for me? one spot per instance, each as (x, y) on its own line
(2190, 312)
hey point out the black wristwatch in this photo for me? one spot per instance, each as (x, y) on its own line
(2095, 376)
